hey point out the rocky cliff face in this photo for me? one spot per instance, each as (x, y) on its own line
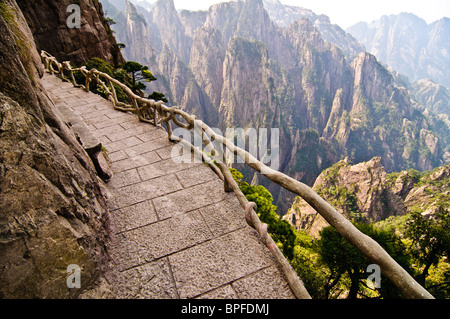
(245, 70)
(424, 192)
(409, 45)
(357, 191)
(52, 209)
(167, 23)
(364, 192)
(137, 36)
(433, 96)
(48, 23)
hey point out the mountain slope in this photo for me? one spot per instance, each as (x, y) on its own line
(409, 45)
(284, 15)
(245, 71)
(365, 193)
(433, 96)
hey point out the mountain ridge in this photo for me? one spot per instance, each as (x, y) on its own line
(408, 44)
(244, 70)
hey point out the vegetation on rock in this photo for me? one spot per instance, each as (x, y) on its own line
(131, 74)
(331, 267)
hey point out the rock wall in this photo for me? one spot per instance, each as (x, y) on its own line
(52, 209)
(357, 191)
(48, 23)
(364, 192)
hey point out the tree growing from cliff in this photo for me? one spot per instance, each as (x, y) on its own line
(157, 96)
(138, 73)
(129, 74)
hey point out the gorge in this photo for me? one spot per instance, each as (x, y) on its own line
(233, 66)
(368, 141)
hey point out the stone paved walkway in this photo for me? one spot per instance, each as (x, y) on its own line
(177, 233)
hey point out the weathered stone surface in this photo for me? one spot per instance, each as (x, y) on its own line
(204, 174)
(261, 284)
(134, 216)
(48, 23)
(151, 281)
(189, 199)
(90, 144)
(52, 209)
(223, 259)
(224, 292)
(161, 239)
(364, 181)
(160, 168)
(224, 217)
(151, 189)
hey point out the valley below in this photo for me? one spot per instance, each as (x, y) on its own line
(242, 65)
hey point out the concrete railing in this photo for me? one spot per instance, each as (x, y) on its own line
(157, 113)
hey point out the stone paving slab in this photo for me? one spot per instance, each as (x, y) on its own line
(177, 233)
(150, 281)
(224, 259)
(191, 198)
(134, 216)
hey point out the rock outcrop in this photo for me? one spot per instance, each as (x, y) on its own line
(52, 207)
(365, 193)
(357, 191)
(433, 96)
(423, 192)
(166, 22)
(48, 23)
(137, 36)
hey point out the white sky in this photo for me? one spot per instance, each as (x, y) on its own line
(348, 12)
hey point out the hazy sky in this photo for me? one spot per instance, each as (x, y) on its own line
(348, 12)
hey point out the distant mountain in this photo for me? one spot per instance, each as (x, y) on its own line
(409, 45)
(433, 96)
(284, 15)
(233, 66)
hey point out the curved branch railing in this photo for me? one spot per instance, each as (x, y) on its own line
(157, 113)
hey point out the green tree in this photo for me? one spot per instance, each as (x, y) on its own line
(109, 21)
(346, 262)
(430, 239)
(138, 73)
(280, 230)
(100, 65)
(306, 262)
(157, 96)
(120, 45)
